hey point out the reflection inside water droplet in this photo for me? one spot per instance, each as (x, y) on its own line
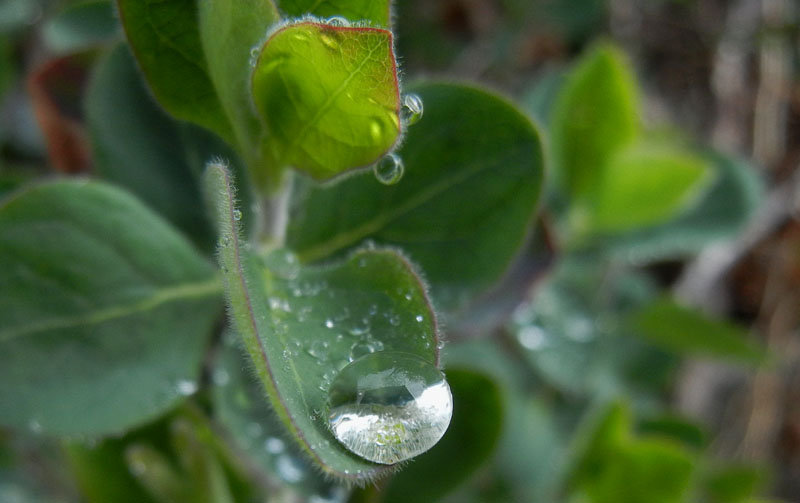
(389, 170)
(412, 109)
(388, 407)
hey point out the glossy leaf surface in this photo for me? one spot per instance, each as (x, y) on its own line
(329, 97)
(595, 114)
(165, 39)
(301, 326)
(473, 171)
(107, 310)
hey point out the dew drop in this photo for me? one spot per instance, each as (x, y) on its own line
(359, 349)
(388, 406)
(419, 318)
(289, 468)
(186, 387)
(389, 170)
(237, 215)
(34, 426)
(329, 323)
(319, 350)
(274, 445)
(532, 337)
(254, 52)
(412, 109)
(220, 377)
(338, 21)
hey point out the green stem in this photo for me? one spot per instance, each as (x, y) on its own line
(272, 216)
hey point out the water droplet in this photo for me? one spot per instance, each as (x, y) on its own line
(237, 215)
(254, 52)
(186, 387)
(389, 170)
(274, 445)
(254, 430)
(319, 350)
(388, 407)
(329, 323)
(220, 377)
(290, 469)
(338, 21)
(283, 263)
(359, 349)
(532, 337)
(419, 318)
(412, 109)
(34, 426)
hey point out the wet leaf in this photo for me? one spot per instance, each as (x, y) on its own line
(302, 325)
(473, 172)
(329, 97)
(107, 311)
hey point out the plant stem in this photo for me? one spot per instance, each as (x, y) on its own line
(272, 216)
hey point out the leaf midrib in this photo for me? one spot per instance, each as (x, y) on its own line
(158, 297)
(326, 106)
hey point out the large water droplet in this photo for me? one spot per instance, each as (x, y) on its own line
(389, 170)
(412, 109)
(388, 407)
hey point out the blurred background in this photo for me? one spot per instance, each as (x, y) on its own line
(657, 364)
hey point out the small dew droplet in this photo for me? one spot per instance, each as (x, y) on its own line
(34, 426)
(237, 215)
(389, 170)
(329, 323)
(274, 445)
(289, 469)
(186, 387)
(419, 318)
(412, 109)
(338, 21)
(388, 407)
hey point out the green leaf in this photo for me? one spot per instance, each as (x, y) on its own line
(328, 96)
(646, 185)
(253, 427)
(178, 459)
(726, 206)
(290, 320)
(617, 467)
(473, 172)
(81, 25)
(140, 148)
(674, 427)
(470, 439)
(165, 39)
(687, 331)
(734, 483)
(107, 311)
(376, 12)
(595, 114)
(229, 29)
